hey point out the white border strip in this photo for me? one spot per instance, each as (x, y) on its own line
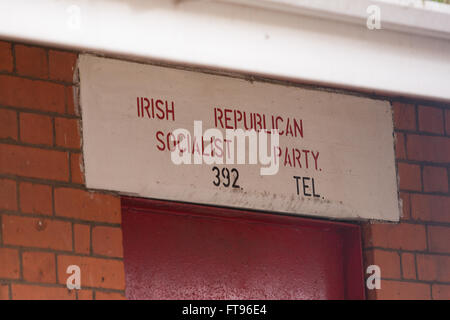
(419, 17)
(285, 44)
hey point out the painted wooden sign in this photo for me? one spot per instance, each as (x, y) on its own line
(180, 135)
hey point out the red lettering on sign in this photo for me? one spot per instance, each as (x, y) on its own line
(164, 109)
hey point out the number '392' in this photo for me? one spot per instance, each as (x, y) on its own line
(226, 177)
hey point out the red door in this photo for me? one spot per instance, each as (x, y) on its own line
(180, 251)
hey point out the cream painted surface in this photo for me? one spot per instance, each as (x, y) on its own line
(355, 178)
(316, 41)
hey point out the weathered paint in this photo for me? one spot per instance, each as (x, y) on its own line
(352, 137)
(179, 251)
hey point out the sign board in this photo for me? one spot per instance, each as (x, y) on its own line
(334, 156)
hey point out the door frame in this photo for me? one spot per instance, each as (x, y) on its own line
(353, 260)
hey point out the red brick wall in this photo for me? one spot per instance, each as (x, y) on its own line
(48, 219)
(414, 256)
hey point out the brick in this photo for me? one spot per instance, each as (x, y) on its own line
(431, 119)
(86, 205)
(76, 166)
(32, 94)
(400, 151)
(9, 266)
(447, 121)
(403, 236)
(428, 148)
(95, 272)
(36, 292)
(4, 292)
(433, 268)
(34, 163)
(8, 194)
(72, 100)
(410, 177)
(400, 290)
(406, 205)
(404, 116)
(67, 133)
(39, 267)
(62, 65)
(82, 238)
(8, 124)
(99, 295)
(435, 179)
(37, 232)
(441, 292)
(6, 59)
(31, 61)
(408, 265)
(35, 198)
(388, 261)
(35, 128)
(439, 239)
(430, 208)
(107, 241)
(85, 294)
